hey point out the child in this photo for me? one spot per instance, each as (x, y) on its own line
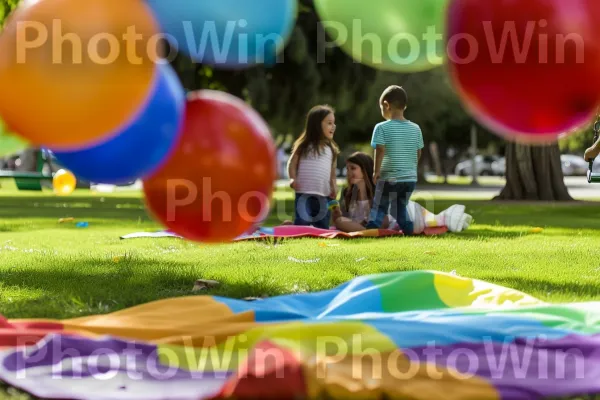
(398, 143)
(312, 168)
(356, 199)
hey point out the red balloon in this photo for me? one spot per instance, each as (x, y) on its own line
(218, 182)
(534, 88)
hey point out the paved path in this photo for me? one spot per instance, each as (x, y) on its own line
(491, 186)
(578, 187)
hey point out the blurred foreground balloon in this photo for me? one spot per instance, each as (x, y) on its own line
(219, 180)
(9, 143)
(140, 147)
(74, 72)
(391, 35)
(526, 69)
(227, 34)
(64, 182)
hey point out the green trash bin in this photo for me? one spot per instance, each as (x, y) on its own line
(34, 180)
(31, 181)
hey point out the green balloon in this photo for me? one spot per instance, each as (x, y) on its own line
(392, 35)
(10, 143)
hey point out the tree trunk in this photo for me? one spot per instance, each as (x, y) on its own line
(474, 172)
(435, 155)
(443, 150)
(534, 173)
(425, 158)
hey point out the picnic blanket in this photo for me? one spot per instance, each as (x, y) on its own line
(453, 219)
(293, 231)
(400, 335)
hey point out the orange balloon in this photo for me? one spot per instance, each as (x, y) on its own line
(72, 72)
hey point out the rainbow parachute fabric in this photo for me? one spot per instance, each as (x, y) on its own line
(401, 335)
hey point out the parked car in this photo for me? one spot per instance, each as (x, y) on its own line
(572, 165)
(483, 166)
(499, 167)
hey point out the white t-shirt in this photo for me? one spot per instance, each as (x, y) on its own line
(359, 211)
(314, 172)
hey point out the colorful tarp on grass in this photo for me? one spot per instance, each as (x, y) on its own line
(293, 231)
(401, 335)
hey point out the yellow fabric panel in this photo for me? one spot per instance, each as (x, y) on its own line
(180, 320)
(389, 375)
(456, 291)
(297, 337)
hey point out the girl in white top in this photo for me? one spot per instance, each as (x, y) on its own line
(357, 198)
(312, 168)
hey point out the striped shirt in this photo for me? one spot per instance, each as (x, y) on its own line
(314, 172)
(402, 139)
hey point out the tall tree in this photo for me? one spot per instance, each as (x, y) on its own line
(534, 173)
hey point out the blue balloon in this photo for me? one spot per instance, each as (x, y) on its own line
(139, 148)
(227, 34)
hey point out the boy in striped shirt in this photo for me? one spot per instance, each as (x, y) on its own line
(397, 143)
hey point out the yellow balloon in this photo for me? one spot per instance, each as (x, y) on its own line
(64, 182)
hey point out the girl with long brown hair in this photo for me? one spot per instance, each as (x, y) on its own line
(357, 198)
(312, 168)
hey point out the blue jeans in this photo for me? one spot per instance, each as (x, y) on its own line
(311, 209)
(396, 195)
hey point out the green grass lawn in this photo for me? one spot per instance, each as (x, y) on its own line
(56, 270)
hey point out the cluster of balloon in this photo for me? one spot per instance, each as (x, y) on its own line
(114, 112)
(527, 69)
(109, 113)
(218, 182)
(391, 35)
